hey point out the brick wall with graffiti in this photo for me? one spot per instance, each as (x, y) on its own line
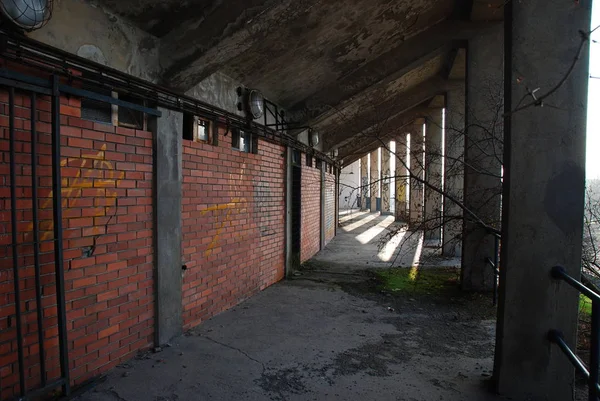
(107, 222)
(310, 237)
(233, 224)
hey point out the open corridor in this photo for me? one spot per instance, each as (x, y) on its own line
(326, 334)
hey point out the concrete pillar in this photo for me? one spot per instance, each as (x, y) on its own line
(401, 178)
(167, 229)
(385, 180)
(483, 155)
(374, 185)
(417, 171)
(433, 175)
(543, 198)
(364, 181)
(454, 147)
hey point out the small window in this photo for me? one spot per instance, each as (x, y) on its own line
(130, 118)
(319, 164)
(241, 140)
(95, 110)
(309, 160)
(296, 157)
(196, 128)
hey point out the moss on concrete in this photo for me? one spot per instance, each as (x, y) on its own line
(417, 281)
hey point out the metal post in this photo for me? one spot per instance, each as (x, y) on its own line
(58, 243)
(594, 351)
(36, 238)
(15, 251)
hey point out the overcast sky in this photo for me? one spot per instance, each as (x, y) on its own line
(593, 122)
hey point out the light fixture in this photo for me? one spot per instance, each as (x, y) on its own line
(252, 102)
(27, 14)
(313, 137)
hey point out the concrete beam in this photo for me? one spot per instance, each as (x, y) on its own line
(341, 130)
(167, 223)
(417, 172)
(543, 198)
(483, 156)
(433, 174)
(399, 60)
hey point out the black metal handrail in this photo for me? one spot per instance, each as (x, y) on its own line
(555, 336)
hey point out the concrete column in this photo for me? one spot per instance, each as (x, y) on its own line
(401, 178)
(364, 181)
(433, 175)
(167, 229)
(374, 185)
(454, 147)
(417, 170)
(385, 180)
(483, 156)
(543, 198)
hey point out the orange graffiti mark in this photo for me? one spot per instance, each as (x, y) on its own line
(236, 205)
(91, 165)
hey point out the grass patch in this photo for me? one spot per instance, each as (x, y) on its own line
(585, 305)
(416, 281)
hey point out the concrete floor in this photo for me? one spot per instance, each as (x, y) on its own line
(320, 336)
(367, 240)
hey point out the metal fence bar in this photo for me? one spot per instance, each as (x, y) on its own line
(559, 273)
(15, 246)
(58, 240)
(36, 238)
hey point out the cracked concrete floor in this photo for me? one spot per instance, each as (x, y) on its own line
(313, 339)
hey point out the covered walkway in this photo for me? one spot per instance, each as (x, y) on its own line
(327, 335)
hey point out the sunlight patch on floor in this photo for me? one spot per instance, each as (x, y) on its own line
(414, 269)
(353, 226)
(389, 250)
(374, 231)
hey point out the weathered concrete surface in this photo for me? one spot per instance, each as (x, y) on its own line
(483, 156)
(454, 171)
(167, 216)
(417, 174)
(319, 336)
(433, 174)
(401, 178)
(374, 179)
(386, 168)
(364, 181)
(543, 199)
(370, 241)
(95, 33)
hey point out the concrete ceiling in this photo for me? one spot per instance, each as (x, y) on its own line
(338, 66)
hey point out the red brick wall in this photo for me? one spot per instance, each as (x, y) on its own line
(311, 211)
(107, 201)
(330, 199)
(233, 225)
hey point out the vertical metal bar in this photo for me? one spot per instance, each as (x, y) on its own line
(36, 238)
(58, 243)
(13, 216)
(594, 352)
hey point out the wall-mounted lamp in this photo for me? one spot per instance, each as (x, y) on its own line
(251, 102)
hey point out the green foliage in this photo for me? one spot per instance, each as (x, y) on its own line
(585, 305)
(417, 281)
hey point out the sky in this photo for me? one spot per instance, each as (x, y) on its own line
(593, 120)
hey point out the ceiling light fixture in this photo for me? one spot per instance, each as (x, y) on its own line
(27, 14)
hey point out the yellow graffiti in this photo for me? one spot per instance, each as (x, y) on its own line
(89, 166)
(237, 205)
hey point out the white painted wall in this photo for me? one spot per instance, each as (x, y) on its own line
(349, 183)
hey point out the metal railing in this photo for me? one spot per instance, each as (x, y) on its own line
(555, 336)
(493, 263)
